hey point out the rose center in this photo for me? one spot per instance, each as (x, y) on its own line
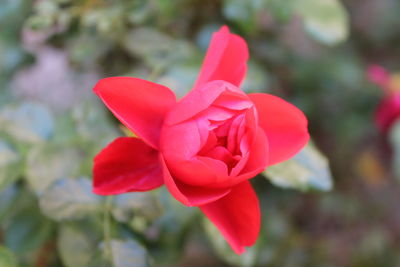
(223, 141)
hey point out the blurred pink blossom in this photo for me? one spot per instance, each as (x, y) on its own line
(51, 80)
(388, 110)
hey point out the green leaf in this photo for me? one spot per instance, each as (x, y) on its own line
(28, 122)
(142, 204)
(48, 163)
(69, 199)
(156, 48)
(242, 12)
(224, 251)
(12, 15)
(91, 120)
(180, 78)
(27, 231)
(325, 20)
(169, 231)
(7, 198)
(7, 258)
(257, 79)
(394, 138)
(308, 170)
(128, 253)
(74, 246)
(10, 164)
(177, 216)
(13, 56)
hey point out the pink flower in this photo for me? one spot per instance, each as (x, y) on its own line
(388, 110)
(206, 146)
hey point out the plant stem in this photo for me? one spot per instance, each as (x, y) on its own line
(107, 228)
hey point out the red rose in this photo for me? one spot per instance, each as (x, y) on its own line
(206, 146)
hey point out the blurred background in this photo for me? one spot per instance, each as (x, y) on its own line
(335, 204)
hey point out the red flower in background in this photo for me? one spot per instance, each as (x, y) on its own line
(388, 110)
(206, 146)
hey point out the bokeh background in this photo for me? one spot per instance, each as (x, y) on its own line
(334, 204)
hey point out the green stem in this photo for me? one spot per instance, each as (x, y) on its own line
(107, 228)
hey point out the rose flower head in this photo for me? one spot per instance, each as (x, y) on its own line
(204, 147)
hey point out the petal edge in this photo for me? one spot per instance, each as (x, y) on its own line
(139, 104)
(237, 216)
(226, 59)
(284, 124)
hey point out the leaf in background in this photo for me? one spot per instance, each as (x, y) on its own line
(242, 12)
(180, 78)
(156, 48)
(10, 164)
(12, 15)
(257, 79)
(7, 258)
(253, 15)
(308, 170)
(7, 199)
(126, 206)
(169, 231)
(70, 199)
(74, 245)
(12, 57)
(224, 251)
(91, 120)
(48, 163)
(394, 137)
(325, 20)
(128, 253)
(177, 216)
(28, 122)
(27, 231)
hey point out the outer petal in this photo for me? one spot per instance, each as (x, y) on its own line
(226, 59)
(284, 124)
(237, 216)
(191, 195)
(126, 165)
(138, 104)
(200, 99)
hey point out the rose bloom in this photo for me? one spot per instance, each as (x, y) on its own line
(388, 110)
(205, 147)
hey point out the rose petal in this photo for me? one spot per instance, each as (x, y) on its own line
(226, 59)
(259, 153)
(232, 101)
(126, 165)
(200, 99)
(284, 124)
(140, 105)
(183, 141)
(237, 216)
(233, 133)
(191, 195)
(215, 114)
(255, 162)
(198, 171)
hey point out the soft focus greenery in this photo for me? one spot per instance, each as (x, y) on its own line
(311, 52)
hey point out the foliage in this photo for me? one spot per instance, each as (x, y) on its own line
(51, 127)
